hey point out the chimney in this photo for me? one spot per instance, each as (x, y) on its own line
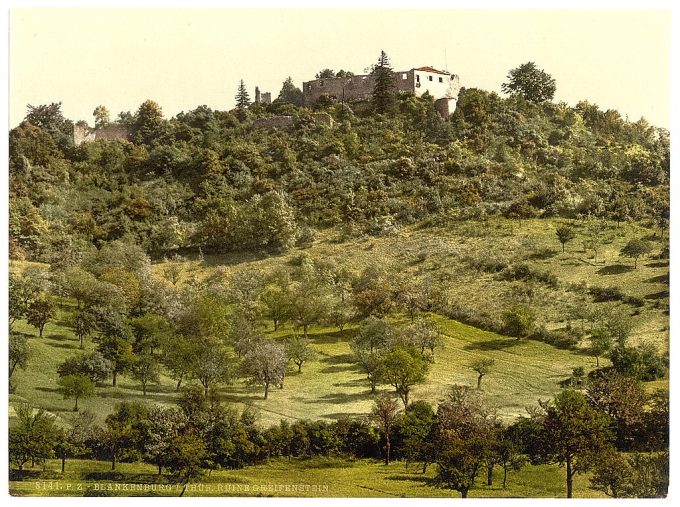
(257, 95)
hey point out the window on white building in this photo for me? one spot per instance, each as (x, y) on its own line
(441, 79)
(404, 76)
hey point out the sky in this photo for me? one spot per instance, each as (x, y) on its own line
(183, 58)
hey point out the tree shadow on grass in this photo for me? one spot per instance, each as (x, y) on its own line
(340, 369)
(659, 279)
(660, 264)
(47, 389)
(614, 269)
(498, 344)
(338, 398)
(338, 359)
(658, 295)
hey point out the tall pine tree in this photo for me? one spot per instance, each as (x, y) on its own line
(242, 97)
(383, 91)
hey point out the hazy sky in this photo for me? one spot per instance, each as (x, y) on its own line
(185, 58)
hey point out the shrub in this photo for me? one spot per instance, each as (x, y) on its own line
(604, 294)
(526, 272)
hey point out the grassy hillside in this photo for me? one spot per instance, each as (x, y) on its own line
(325, 478)
(332, 385)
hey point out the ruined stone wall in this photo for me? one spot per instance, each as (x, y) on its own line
(361, 87)
(83, 134)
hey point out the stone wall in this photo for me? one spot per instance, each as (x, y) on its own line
(355, 88)
(108, 133)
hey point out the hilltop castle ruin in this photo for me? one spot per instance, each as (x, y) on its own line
(443, 86)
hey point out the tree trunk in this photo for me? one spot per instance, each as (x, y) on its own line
(266, 390)
(75, 409)
(563, 244)
(489, 474)
(464, 492)
(205, 390)
(388, 447)
(115, 373)
(304, 329)
(479, 381)
(597, 361)
(179, 382)
(113, 461)
(505, 476)
(424, 466)
(276, 325)
(570, 478)
(63, 463)
(82, 345)
(143, 388)
(299, 367)
(160, 469)
(183, 489)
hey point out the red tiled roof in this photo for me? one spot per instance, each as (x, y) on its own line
(433, 70)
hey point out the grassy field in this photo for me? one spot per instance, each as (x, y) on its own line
(318, 477)
(332, 385)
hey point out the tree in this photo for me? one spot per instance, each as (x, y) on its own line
(19, 352)
(417, 427)
(119, 352)
(565, 233)
(102, 117)
(383, 90)
(39, 314)
(325, 74)
(385, 413)
(76, 387)
(275, 298)
(177, 356)
(482, 367)
(403, 368)
(622, 399)
(127, 431)
(265, 364)
(572, 433)
(211, 363)
(33, 436)
(530, 83)
(372, 292)
(600, 343)
(369, 361)
(290, 93)
(299, 350)
(242, 97)
(166, 423)
(145, 369)
(638, 476)
(84, 323)
(94, 366)
(185, 458)
(423, 335)
(519, 321)
(635, 249)
(148, 122)
(50, 118)
(466, 432)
